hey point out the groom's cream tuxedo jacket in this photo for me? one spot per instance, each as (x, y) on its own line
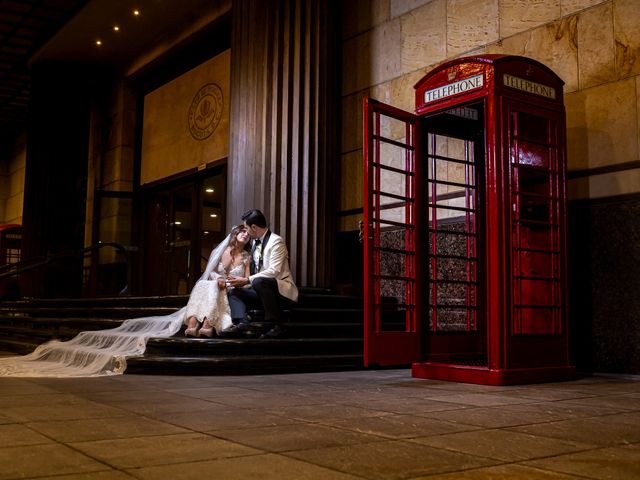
(275, 264)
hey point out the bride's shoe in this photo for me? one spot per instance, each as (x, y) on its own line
(206, 330)
(192, 328)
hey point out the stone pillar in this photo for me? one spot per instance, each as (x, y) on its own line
(284, 125)
(55, 177)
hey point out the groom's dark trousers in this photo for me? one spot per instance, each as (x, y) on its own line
(262, 293)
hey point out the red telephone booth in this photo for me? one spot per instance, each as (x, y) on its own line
(465, 218)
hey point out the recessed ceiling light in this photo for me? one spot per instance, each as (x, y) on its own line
(136, 12)
(116, 28)
(178, 222)
(213, 215)
(209, 190)
(98, 42)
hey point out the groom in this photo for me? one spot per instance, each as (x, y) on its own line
(270, 281)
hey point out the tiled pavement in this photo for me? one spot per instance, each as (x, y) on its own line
(348, 425)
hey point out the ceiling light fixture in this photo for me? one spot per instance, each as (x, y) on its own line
(136, 12)
(213, 215)
(116, 28)
(98, 42)
(209, 190)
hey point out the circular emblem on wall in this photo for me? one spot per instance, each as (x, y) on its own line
(205, 111)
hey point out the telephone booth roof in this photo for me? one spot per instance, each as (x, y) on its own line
(479, 75)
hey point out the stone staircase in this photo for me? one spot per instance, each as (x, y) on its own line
(323, 333)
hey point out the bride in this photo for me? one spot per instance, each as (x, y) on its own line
(208, 306)
(104, 352)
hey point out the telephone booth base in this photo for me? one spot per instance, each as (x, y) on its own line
(487, 376)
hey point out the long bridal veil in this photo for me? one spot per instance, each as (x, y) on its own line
(102, 352)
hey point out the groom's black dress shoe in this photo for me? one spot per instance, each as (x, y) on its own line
(275, 332)
(237, 330)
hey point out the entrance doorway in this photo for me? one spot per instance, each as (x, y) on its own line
(184, 220)
(454, 154)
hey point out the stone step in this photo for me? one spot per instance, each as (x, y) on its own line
(184, 346)
(236, 364)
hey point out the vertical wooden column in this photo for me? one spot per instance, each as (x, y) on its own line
(55, 178)
(284, 138)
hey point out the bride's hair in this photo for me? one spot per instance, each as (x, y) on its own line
(234, 233)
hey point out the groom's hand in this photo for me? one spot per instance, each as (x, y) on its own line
(238, 281)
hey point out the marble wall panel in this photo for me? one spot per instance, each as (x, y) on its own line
(638, 109)
(386, 42)
(424, 36)
(13, 208)
(350, 223)
(16, 181)
(117, 172)
(596, 52)
(355, 53)
(554, 44)
(361, 15)
(372, 57)
(605, 185)
(401, 91)
(568, 7)
(352, 190)
(627, 36)
(576, 115)
(352, 123)
(471, 23)
(519, 15)
(611, 123)
(400, 7)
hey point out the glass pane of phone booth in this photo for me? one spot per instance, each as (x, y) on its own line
(537, 298)
(454, 160)
(395, 238)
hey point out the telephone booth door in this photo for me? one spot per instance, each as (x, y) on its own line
(487, 281)
(392, 253)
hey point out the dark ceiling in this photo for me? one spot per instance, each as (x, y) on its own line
(25, 26)
(67, 30)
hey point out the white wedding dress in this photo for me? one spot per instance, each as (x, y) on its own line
(105, 352)
(208, 301)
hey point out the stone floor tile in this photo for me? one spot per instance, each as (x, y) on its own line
(615, 463)
(314, 413)
(408, 405)
(210, 392)
(18, 386)
(515, 415)
(161, 450)
(36, 399)
(225, 418)
(62, 412)
(399, 426)
(89, 385)
(390, 459)
(104, 428)
(548, 394)
(39, 460)
(13, 435)
(263, 467)
(106, 475)
(266, 400)
(483, 399)
(502, 444)
(502, 472)
(300, 436)
(597, 430)
(618, 402)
